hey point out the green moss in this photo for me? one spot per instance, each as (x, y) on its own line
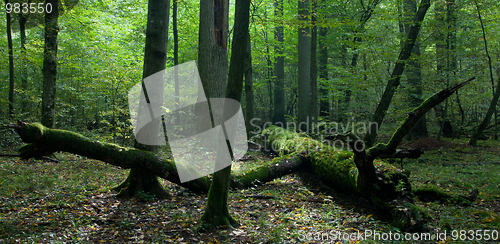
(263, 173)
(33, 132)
(337, 168)
(140, 183)
(44, 141)
(395, 179)
(334, 166)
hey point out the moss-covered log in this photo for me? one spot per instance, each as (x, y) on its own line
(268, 171)
(45, 141)
(384, 185)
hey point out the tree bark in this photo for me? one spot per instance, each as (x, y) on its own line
(324, 104)
(24, 73)
(279, 66)
(11, 65)
(414, 73)
(212, 54)
(176, 60)
(394, 81)
(249, 96)
(314, 64)
(496, 93)
(50, 64)
(155, 58)
(217, 213)
(45, 141)
(304, 68)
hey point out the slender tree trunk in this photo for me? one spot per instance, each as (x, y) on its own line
(414, 73)
(394, 80)
(324, 104)
(441, 65)
(366, 14)
(452, 64)
(279, 66)
(496, 93)
(176, 60)
(212, 53)
(24, 74)
(304, 77)
(11, 65)
(249, 87)
(314, 64)
(216, 212)
(344, 101)
(155, 58)
(212, 66)
(270, 78)
(50, 65)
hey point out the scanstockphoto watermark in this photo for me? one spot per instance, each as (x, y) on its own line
(324, 132)
(334, 236)
(204, 134)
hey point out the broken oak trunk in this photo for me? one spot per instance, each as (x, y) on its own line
(45, 141)
(384, 185)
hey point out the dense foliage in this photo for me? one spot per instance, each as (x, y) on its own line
(101, 51)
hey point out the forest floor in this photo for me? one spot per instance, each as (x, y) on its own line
(72, 201)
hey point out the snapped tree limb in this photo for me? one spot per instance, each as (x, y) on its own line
(385, 151)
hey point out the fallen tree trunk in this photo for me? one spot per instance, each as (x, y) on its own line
(44, 141)
(386, 186)
(389, 191)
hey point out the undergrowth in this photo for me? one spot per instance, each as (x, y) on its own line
(71, 201)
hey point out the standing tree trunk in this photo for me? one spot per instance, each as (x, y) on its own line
(176, 61)
(366, 14)
(279, 66)
(394, 81)
(212, 53)
(496, 93)
(155, 58)
(314, 65)
(11, 65)
(249, 87)
(440, 42)
(24, 74)
(216, 212)
(212, 67)
(414, 73)
(324, 105)
(304, 77)
(50, 64)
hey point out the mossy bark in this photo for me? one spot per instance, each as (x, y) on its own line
(44, 141)
(141, 181)
(269, 171)
(385, 186)
(217, 213)
(384, 150)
